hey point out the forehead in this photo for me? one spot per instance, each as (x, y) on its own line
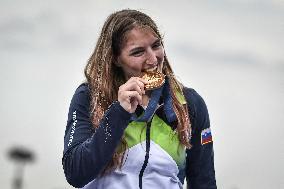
(139, 36)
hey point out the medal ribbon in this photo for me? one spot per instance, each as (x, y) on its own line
(164, 91)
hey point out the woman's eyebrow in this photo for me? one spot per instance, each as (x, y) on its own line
(157, 41)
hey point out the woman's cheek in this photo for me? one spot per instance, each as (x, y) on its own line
(162, 53)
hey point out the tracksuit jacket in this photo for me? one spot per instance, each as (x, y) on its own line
(154, 159)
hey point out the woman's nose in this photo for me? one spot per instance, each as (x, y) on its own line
(152, 58)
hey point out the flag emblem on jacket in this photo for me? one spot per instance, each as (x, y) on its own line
(206, 136)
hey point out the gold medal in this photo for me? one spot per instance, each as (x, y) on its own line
(155, 79)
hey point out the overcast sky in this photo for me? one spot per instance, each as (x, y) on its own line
(229, 51)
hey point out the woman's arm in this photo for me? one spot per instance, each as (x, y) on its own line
(87, 151)
(200, 172)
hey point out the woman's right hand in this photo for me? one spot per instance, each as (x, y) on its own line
(130, 93)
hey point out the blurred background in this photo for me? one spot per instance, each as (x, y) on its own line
(229, 51)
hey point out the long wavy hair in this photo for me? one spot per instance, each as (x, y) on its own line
(104, 77)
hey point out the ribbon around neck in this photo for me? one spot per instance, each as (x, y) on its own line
(156, 94)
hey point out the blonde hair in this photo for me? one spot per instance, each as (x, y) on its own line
(104, 77)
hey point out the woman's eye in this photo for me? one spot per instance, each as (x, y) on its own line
(137, 53)
(156, 45)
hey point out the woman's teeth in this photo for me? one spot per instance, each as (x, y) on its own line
(152, 69)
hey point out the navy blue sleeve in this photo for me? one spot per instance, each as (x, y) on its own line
(200, 172)
(88, 151)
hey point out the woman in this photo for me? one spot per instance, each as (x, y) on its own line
(120, 133)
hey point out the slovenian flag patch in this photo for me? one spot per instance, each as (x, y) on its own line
(206, 136)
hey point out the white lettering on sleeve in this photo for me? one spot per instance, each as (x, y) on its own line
(74, 117)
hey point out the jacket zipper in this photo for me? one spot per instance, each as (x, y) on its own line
(146, 155)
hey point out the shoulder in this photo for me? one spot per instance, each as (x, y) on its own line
(192, 94)
(83, 88)
(81, 95)
(194, 100)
